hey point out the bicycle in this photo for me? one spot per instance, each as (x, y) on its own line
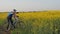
(17, 23)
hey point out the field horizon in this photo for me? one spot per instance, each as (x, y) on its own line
(33, 11)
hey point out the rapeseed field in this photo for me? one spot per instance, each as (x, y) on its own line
(36, 22)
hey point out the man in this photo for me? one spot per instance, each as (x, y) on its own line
(9, 18)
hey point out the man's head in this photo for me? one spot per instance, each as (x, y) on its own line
(14, 10)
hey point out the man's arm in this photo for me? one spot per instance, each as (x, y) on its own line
(14, 15)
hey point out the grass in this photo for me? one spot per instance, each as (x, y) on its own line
(37, 23)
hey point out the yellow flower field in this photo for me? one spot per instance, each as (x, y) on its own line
(35, 14)
(37, 22)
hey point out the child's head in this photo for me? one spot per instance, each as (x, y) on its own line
(17, 12)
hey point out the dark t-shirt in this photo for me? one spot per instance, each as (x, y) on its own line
(10, 15)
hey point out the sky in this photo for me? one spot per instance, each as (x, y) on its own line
(29, 5)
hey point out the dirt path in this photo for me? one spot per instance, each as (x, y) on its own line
(3, 30)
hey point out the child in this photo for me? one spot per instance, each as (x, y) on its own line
(16, 20)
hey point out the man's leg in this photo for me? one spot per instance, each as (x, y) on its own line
(12, 23)
(8, 24)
